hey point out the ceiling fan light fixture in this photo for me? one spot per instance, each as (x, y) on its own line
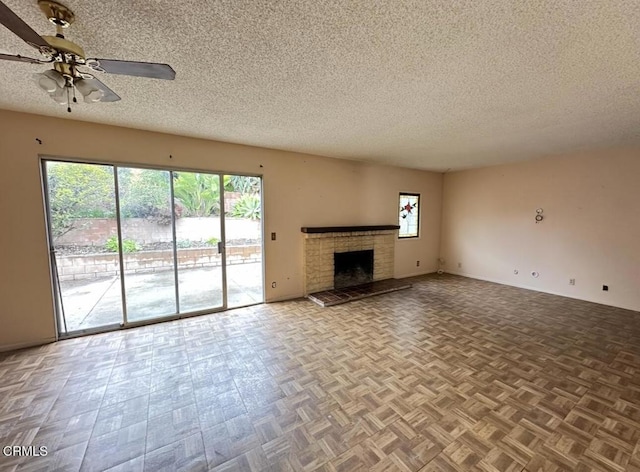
(90, 93)
(47, 84)
(93, 96)
(59, 96)
(50, 80)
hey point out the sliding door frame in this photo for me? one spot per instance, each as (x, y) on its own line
(126, 324)
(223, 242)
(53, 262)
(123, 294)
(176, 282)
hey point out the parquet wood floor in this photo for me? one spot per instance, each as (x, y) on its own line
(452, 375)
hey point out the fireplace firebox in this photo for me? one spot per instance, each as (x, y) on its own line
(352, 268)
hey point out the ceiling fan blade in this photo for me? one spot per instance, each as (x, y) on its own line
(20, 28)
(108, 94)
(18, 58)
(137, 69)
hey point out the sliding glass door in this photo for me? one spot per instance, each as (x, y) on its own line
(243, 242)
(199, 240)
(133, 245)
(82, 230)
(147, 237)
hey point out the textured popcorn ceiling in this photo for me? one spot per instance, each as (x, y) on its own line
(426, 84)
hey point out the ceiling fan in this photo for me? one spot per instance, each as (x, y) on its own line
(65, 78)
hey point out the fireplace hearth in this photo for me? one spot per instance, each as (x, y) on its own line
(352, 268)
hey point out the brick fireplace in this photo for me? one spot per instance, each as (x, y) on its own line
(322, 243)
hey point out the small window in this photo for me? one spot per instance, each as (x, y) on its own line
(409, 215)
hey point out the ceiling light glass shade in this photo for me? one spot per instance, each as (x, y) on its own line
(47, 84)
(50, 80)
(93, 97)
(90, 93)
(60, 96)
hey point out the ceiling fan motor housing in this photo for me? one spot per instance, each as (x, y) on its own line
(65, 46)
(67, 55)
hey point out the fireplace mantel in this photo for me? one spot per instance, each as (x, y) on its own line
(346, 229)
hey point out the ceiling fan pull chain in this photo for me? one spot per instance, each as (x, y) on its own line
(68, 101)
(75, 100)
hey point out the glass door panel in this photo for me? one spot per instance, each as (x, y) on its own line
(243, 244)
(81, 213)
(147, 242)
(198, 234)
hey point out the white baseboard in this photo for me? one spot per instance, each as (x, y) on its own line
(284, 298)
(415, 274)
(538, 289)
(15, 347)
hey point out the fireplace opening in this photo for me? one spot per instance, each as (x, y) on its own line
(352, 268)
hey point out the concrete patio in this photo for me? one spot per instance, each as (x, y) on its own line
(98, 302)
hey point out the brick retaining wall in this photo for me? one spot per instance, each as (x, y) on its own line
(93, 266)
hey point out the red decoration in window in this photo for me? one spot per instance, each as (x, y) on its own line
(407, 208)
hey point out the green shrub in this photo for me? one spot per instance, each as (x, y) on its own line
(144, 193)
(183, 244)
(78, 191)
(212, 241)
(199, 194)
(248, 206)
(242, 184)
(128, 245)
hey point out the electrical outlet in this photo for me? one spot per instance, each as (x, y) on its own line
(605, 288)
(459, 265)
(572, 281)
(417, 263)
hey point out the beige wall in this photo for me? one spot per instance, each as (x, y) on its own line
(299, 190)
(590, 231)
